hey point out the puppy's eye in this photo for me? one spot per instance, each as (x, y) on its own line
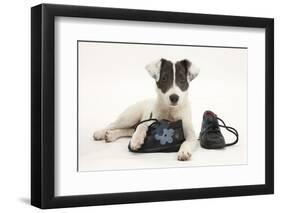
(182, 80)
(164, 78)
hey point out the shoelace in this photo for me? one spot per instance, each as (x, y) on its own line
(210, 128)
(154, 124)
(214, 128)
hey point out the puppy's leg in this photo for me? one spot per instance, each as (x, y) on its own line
(119, 124)
(112, 135)
(140, 133)
(138, 137)
(125, 120)
(189, 144)
(100, 134)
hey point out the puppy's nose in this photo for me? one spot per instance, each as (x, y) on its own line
(174, 98)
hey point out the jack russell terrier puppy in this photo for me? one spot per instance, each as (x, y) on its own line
(172, 83)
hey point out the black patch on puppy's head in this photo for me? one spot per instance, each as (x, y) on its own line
(181, 74)
(166, 78)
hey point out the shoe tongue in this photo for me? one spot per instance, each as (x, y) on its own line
(210, 116)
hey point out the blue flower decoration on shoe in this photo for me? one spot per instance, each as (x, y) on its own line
(166, 137)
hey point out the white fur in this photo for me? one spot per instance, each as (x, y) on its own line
(193, 72)
(160, 108)
(154, 69)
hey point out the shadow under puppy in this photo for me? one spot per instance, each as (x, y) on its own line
(172, 83)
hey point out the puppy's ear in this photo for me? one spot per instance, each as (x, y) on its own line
(192, 70)
(154, 69)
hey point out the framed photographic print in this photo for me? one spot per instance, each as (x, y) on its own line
(140, 106)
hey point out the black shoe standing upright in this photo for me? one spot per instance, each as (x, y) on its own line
(210, 135)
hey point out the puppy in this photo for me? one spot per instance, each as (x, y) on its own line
(172, 83)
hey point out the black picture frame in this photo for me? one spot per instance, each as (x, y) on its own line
(43, 111)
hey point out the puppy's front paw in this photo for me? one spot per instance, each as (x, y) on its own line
(184, 154)
(99, 135)
(138, 138)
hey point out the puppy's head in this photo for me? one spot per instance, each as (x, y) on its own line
(172, 79)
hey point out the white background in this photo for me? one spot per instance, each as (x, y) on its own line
(15, 107)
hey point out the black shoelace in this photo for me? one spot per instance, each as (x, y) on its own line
(152, 126)
(214, 128)
(211, 128)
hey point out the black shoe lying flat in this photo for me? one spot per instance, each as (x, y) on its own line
(162, 136)
(210, 135)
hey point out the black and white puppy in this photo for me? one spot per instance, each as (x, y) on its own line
(172, 83)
